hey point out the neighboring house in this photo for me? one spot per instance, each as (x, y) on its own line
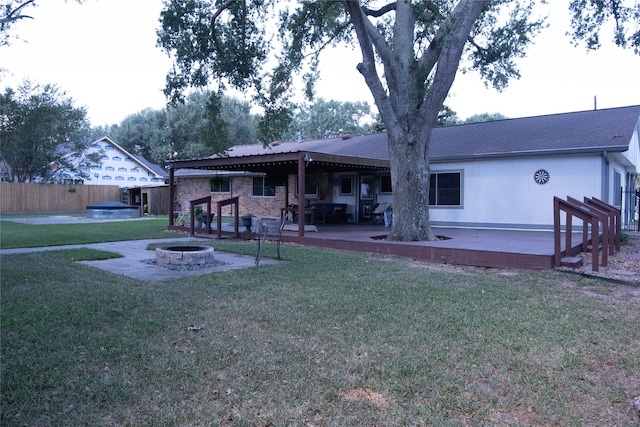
(119, 167)
(143, 183)
(499, 174)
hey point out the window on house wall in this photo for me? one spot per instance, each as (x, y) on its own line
(220, 185)
(310, 187)
(385, 184)
(445, 189)
(262, 186)
(346, 186)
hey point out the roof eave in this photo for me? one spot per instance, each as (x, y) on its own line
(530, 153)
(246, 162)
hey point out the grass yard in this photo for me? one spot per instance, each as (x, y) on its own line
(325, 338)
(19, 235)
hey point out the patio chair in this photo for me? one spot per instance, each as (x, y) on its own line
(271, 232)
(377, 213)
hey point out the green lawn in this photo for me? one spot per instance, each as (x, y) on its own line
(19, 235)
(325, 338)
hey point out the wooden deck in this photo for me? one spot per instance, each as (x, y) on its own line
(532, 250)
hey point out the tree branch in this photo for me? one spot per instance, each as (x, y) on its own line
(224, 6)
(431, 55)
(368, 66)
(13, 16)
(450, 52)
(378, 13)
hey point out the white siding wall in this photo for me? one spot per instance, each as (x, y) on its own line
(506, 195)
(119, 168)
(633, 153)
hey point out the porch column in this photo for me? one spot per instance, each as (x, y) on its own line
(171, 196)
(301, 200)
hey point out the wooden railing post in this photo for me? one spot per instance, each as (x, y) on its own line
(589, 215)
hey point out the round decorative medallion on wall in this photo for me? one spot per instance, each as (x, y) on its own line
(541, 176)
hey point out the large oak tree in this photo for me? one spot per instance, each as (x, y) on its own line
(411, 52)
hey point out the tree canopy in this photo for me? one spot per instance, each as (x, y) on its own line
(411, 52)
(40, 131)
(328, 119)
(204, 124)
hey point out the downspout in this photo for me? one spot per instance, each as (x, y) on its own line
(605, 178)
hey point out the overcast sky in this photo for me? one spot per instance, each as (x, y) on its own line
(103, 53)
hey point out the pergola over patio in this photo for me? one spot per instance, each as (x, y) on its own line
(345, 154)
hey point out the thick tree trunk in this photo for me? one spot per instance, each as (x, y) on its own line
(415, 91)
(410, 173)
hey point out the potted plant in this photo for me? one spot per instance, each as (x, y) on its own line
(197, 216)
(321, 181)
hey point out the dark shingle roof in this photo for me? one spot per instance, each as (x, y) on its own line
(581, 132)
(595, 130)
(361, 146)
(157, 169)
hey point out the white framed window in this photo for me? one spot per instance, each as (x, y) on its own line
(445, 189)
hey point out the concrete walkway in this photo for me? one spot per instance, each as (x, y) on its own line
(134, 254)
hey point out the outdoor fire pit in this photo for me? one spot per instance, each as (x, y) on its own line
(184, 255)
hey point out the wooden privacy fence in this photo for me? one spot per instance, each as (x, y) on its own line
(17, 197)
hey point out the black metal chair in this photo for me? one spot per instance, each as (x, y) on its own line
(377, 213)
(271, 232)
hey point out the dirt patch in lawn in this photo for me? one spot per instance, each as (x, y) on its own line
(368, 396)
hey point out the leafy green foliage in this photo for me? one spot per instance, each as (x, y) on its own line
(231, 49)
(40, 132)
(325, 119)
(502, 42)
(484, 117)
(590, 16)
(205, 124)
(447, 117)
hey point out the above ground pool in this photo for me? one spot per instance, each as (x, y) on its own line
(109, 210)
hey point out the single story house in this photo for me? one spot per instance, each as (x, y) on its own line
(498, 174)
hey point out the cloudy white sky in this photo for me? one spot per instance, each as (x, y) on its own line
(103, 54)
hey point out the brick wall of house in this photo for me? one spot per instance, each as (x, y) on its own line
(241, 186)
(265, 207)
